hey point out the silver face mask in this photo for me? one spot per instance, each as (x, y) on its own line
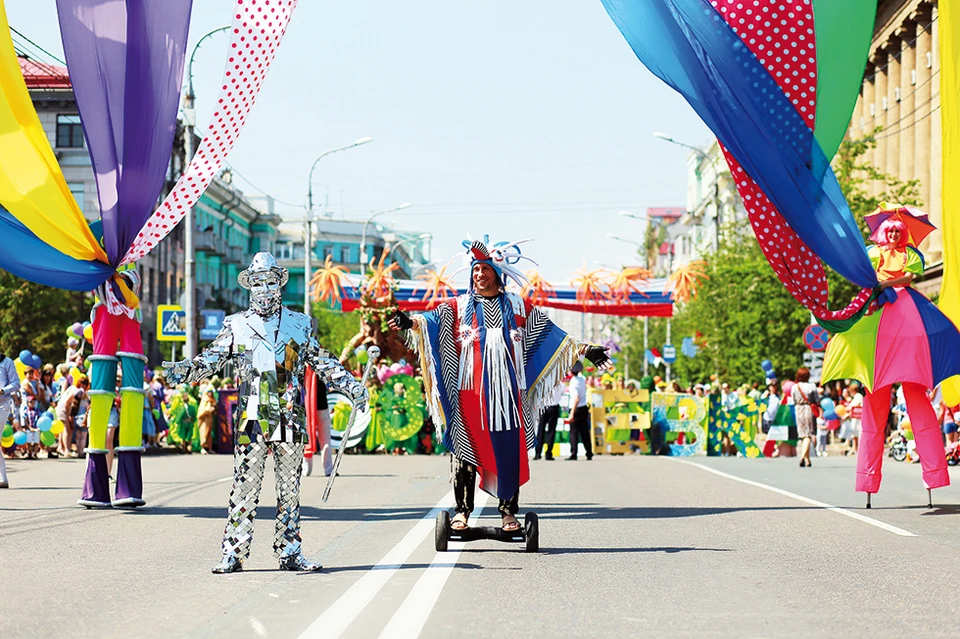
(265, 294)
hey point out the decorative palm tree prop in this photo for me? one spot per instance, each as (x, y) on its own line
(591, 285)
(687, 280)
(327, 282)
(538, 290)
(438, 286)
(628, 281)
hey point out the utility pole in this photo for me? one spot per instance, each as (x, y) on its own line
(189, 248)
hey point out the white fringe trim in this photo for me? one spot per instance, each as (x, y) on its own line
(467, 337)
(496, 365)
(541, 395)
(516, 336)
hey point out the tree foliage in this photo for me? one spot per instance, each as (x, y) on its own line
(743, 313)
(36, 317)
(334, 327)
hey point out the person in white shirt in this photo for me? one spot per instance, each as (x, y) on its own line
(579, 414)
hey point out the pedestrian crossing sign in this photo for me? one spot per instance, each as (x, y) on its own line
(171, 323)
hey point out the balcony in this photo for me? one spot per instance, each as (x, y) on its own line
(235, 255)
(209, 243)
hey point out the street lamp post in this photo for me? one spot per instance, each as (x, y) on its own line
(189, 249)
(646, 320)
(363, 234)
(716, 181)
(308, 233)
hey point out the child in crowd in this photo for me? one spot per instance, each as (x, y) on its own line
(28, 422)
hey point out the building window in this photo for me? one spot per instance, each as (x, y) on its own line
(344, 254)
(76, 189)
(327, 251)
(69, 132)
(284, 251)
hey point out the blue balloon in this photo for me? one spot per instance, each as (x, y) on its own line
(25, 356)
(45, 422)
(35, 362)
(20, 438)
(766, 365)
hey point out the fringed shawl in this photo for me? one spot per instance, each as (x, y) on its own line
(489, 367)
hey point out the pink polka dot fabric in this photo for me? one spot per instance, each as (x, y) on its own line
(780, 34)
(258, 28)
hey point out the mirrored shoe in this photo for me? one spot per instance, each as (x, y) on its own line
(228, 564)
(297, 563)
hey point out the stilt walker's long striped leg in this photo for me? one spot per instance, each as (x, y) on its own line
(103, 384)
(129, 475)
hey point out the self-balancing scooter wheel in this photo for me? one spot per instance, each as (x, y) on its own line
(531, 528)
(442, 531)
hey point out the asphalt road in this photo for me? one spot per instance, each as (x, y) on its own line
(630, 546)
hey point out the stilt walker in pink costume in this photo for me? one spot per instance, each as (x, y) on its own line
(117, 344)
(908, 341)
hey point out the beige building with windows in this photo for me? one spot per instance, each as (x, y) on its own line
(901, 96)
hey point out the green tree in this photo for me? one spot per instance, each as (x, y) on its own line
(334, 327)
(743, 312)
(36, 317)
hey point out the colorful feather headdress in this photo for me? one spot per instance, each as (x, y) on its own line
(502, 257)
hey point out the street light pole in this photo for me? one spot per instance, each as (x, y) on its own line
(189, 247)
(308, 231)
(363, 234)
(716, 182)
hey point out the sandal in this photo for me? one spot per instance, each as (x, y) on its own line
(459, 522)
(510, 524)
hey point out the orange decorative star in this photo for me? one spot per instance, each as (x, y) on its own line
(628, 281)
(327, 282)
(591, 286)
(438, 286)
(537, 290)
(686, 280)
(379, 282)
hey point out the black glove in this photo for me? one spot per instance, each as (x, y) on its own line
(597, 355)
(402, 320)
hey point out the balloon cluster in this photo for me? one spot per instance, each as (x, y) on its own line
(26, 360)
(768, 371)
(80, 331)
(829, 409)
(385, 372)
(47, 424)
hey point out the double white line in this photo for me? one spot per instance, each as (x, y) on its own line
(409, 620)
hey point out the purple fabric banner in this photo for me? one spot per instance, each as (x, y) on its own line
(125, 59)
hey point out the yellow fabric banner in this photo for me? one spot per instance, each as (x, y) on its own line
(950, 115)
(32, 186)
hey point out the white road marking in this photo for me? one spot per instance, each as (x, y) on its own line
(806, 500)
(408, 621)
(338, 617)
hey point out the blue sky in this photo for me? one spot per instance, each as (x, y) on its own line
(527, 119)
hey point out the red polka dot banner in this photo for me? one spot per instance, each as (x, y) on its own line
(257, 30)
(781, 36)
(776, 81)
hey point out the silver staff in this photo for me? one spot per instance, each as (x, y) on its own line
(373, 352)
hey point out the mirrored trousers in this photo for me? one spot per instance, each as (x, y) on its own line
(249, 463)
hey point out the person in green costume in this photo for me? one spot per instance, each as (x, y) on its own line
(183, 421)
